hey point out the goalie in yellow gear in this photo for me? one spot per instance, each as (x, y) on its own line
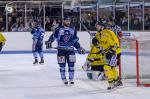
(94, 64)
(2, 41)
(109, 44)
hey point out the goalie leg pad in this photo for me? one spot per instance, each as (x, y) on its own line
(89, 75)
(95, 75)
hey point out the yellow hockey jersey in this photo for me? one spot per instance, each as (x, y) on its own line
(97, 58)
(2, 38)
(107, 39)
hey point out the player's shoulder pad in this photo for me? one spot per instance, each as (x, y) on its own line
(42, 29)
(108, 31)
(58, 28)
(72, 27)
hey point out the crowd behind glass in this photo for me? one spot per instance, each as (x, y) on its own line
(130, 16)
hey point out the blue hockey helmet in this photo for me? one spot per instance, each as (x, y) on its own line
(67, 18)
(37, 22)
(66, 21)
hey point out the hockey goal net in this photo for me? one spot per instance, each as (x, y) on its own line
(135, 61)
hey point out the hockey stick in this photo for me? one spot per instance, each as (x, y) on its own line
(86, 29)
(58, 48)
(62, 48)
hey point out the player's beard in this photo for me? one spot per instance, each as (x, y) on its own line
(66, 24)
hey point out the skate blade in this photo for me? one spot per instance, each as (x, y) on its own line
(68, 85)
(35, 64)
(41, 63)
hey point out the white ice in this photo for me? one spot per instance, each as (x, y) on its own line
(20, 79)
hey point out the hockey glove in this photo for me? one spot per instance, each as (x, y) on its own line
(48, 44)
(110, 53)
(81, 50)
(95, 41)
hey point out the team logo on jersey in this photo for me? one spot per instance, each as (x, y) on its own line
(61, 59)
(66, 38)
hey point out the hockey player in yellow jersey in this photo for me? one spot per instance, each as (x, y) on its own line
(109, 44)
(2, 41)
(94, 64)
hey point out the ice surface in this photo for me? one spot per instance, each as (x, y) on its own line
(20, 79)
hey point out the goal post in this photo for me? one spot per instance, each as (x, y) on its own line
(135, 61)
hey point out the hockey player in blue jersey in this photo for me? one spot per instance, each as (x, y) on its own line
(66, 37)
(38, 35)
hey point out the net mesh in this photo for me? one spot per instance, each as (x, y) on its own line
(131, 59)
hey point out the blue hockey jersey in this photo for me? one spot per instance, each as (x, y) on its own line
(38, 33)
(66, 37)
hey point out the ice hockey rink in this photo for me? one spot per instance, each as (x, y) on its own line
(20, 79)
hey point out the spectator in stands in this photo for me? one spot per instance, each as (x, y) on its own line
(147, 22)
(136, 24)
(21, 28)
(54, 25)
(14, 27)
(2, 24)
(9, 23)
(124, 23)
(48, 24)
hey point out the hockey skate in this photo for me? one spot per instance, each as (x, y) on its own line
(65, 82)
(115, 85)
(42, 61)
(118, 83)
(35, 62)
(71, 82)
(111, 86)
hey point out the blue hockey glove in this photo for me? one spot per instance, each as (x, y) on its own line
(81, 50)
(48, 44)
